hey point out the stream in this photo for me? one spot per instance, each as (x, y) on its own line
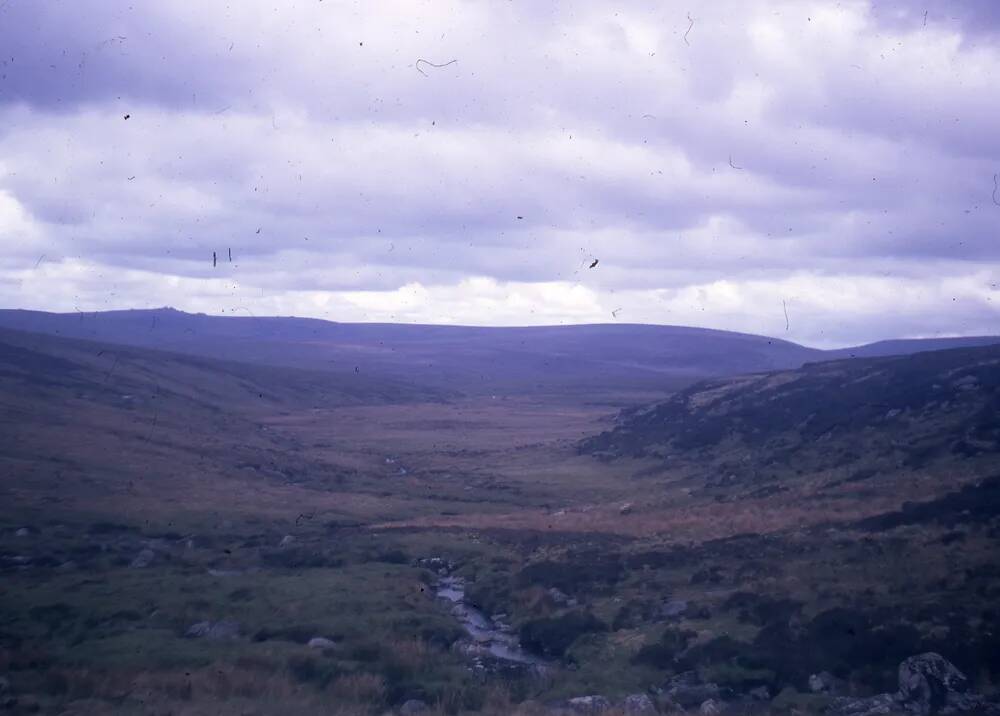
(494, 637)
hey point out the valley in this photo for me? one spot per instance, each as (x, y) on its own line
(186, 533)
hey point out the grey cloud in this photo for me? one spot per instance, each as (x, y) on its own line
(749, 150)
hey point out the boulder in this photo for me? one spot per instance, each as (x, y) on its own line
(673, 608)
(690, 696)
(688, 691)
(143, 559)
(286, 541)
(638, 705)
(413, 706)
(711, 707)
(23, 532)
(558, 596)
(321, 642)
(928, 682)
(224, 629)
(760, 693)
(823, 683)
(589, 704)
(225, 572)
(869, 706)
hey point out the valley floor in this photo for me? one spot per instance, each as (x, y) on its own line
(289, 559)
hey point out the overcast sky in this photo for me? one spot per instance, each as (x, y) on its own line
(821, 171)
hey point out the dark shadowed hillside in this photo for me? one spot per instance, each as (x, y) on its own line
(31, 362)
(879, 413)
(915, 345)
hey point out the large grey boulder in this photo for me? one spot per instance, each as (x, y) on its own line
(413, 706)
(638, 705)
(929, 682)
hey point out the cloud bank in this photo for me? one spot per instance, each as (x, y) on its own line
(824, 172)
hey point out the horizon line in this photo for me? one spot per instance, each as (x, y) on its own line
(509, 327)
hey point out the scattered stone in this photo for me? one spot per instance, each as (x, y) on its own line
(870, 706)
(673, 608)
(469, 649)
(711, 707)
(143, 559)
(321, 642)
(589, 704)
(413, 706)
(688, 691)
(558, 596)
(823, 683)
(224, 629)
(638, 705)
(437, 564)
(760, 693)
(625, 509)
(286, 540)
(698, 611)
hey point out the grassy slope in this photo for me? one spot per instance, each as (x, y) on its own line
(211, 476)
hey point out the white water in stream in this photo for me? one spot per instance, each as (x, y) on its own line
(495, 638)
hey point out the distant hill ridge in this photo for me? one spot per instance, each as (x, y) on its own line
(595, 359)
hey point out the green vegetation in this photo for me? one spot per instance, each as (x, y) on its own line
(284, 557)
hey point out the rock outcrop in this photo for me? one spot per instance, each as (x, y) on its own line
(928, 684)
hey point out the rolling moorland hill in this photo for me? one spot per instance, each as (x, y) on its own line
(887, 413)
(585, 362)
(83, 422)
(574, 360)
(179, 531)
(39, 359)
